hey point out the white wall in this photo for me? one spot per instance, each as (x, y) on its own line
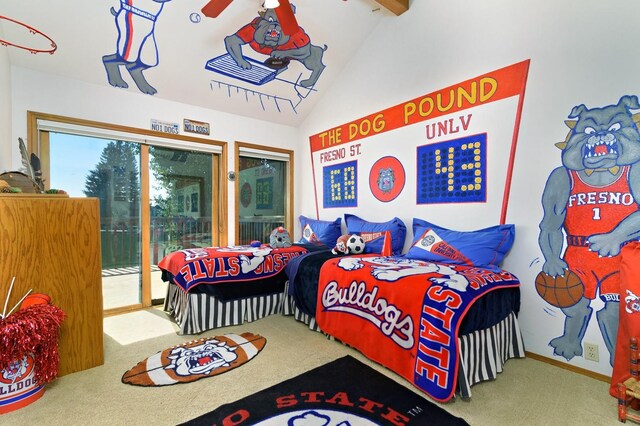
(575, 59)
(5, 110)
(45, 93)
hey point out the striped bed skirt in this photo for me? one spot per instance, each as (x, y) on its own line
(482, 353)
(195, 313)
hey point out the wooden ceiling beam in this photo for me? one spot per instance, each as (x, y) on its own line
(396, 6)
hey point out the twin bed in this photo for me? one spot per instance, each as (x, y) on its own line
(222, 286)
(442, 326)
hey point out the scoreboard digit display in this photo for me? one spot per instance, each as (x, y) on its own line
(340, 185)
(453, 172)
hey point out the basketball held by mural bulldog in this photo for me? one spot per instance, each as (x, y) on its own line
(561, 291)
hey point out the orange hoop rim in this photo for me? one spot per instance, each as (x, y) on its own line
(32, 30)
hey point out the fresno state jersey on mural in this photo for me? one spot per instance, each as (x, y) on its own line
(596, 209)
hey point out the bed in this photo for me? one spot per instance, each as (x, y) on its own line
(441, 326)
(221, 286)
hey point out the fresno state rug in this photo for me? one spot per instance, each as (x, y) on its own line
(344, 392)
(195, 360)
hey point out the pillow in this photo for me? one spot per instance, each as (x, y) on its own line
(482, 248)
(373, 233)
(323, 231)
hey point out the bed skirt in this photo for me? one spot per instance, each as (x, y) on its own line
(195, 313)
(482, 353)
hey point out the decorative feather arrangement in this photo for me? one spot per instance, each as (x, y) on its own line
(31, 166)
(37, 171)
(26, 164)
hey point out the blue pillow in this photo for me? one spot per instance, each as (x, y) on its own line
(373, 233)
(323, 231)
(484, 248)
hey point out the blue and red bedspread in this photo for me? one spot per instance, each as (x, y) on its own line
(404, 314)
(191, 268)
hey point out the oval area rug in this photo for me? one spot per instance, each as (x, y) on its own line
(195, 360)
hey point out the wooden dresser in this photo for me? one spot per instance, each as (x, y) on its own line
(51, 244)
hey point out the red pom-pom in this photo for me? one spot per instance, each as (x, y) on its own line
(33, 331)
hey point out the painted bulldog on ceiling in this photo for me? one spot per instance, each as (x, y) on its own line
(265, 36)
(136, 48)
(593, 199)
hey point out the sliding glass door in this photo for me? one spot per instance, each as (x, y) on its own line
(109, 171)
(181, 198)
(157, 195)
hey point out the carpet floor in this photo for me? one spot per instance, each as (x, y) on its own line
(528, 392)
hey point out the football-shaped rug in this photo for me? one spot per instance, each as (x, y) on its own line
(195, 360)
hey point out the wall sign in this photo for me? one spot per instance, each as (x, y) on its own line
(193, 126)
(165, 126)
(386, 179)
(446, 144)
(341, 185)
(453, 171)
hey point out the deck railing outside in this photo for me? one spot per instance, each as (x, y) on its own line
(121, 241)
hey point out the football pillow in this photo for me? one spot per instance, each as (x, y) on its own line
(341, 245)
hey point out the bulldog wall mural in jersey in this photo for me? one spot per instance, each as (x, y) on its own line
(590, 210)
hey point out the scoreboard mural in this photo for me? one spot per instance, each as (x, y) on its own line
(453, 171)
(450, 147)
(340, 185)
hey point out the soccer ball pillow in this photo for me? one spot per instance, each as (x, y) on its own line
(355, 244)
(349, 244)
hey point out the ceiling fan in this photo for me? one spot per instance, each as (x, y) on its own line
(282, 8)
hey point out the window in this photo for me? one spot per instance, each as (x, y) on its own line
(264, 188)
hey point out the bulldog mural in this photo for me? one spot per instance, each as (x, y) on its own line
(593, 199)
(265, 36)
(136, 48)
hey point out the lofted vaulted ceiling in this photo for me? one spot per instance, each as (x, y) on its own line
(172, 50)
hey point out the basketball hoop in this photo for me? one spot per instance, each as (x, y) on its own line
(32, 30)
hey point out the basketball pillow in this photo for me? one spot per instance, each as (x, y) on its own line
(562, 291)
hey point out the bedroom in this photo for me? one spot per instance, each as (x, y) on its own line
(430, 47)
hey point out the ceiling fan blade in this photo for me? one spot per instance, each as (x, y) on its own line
(215, 7)
(287, 20)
